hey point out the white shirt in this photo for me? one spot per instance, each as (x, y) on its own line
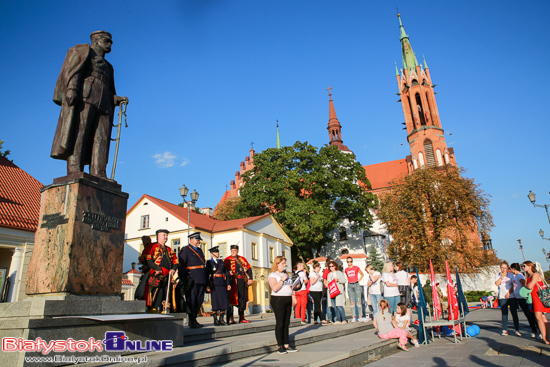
(505, 285)
(402, 277)
(390, 291)
(286, 289)
(401, 321)
(517, 285)
(375, 287)
(318, 286)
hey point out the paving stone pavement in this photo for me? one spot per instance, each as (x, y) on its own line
(488, 348)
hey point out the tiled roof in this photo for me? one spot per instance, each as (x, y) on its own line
(201, 221)
(133, 271)
(382, 174)
(127, 282)
(19, 197)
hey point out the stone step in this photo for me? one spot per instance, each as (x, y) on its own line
(254, 343)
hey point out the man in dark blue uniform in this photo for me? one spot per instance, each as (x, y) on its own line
(192, 265)
(219, 281)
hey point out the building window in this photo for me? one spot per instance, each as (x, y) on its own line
(176, 246)
(271, 254)
(144, 222)
(284, 254)
(429, 150)
(254, 251)
(343, 234)
(223, 249)
(202, 245)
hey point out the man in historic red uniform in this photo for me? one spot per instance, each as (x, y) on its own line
(241, 274)
(85, 90)
(163, 264)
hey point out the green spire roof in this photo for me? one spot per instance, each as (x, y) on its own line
(278, 140)
(425, 64)
(409, 58)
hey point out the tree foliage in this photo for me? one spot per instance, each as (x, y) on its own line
(4, 153)
(308, 191)
(374, 259)
(437, 214)
(226, 210)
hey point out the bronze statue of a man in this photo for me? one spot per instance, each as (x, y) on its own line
(85, 90)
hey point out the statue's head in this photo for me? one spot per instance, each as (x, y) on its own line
(102, 40)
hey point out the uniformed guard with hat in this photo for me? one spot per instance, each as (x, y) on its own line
(162, 261)
(241, 279)
(219, 281)
(192, 265)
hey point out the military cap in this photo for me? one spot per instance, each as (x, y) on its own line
(162, 231)
(215, 249)
(195, 235)
(99, 33)
(234, 247)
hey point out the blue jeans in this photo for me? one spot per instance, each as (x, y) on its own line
(375, 302)
(339, 311)
(504, 303)
(327, 309)
(354, 292)
(392, 302)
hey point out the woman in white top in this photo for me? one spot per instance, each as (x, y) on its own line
(391, 290)
(374, 288)
(316, 291)
(281, 303)
(506, 298)
(339, 301)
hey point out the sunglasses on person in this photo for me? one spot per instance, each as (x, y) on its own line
(331, 266)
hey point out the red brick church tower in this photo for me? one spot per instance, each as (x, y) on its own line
(334, 128)
(425, 134)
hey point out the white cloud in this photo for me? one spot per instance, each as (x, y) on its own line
(165, 159)
(185, 162)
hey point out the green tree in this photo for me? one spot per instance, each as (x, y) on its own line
(374, 259)
(4, 153)
(308, 191)
(437, 214)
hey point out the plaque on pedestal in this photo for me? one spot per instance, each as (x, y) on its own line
(80, 238)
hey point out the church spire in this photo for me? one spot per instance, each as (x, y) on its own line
(409, 58)
(334, 128)
(278, 140)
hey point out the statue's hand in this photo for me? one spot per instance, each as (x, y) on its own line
(119, 100)
(70, 97)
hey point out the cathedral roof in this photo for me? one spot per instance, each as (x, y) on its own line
(19, 197)
(409, 58)
(381, 175)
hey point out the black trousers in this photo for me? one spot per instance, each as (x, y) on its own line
(316, 305)
(530, 315)
(242, 297)
(282, 307)
(194, 299)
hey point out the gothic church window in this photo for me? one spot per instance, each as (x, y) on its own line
(439, 158)
(429, 150)
(420, 110)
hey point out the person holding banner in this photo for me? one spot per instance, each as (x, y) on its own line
(336, 281)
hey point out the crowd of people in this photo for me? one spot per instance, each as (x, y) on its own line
(178, 283)
(514, 290)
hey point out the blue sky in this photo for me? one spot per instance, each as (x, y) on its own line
(206, 78)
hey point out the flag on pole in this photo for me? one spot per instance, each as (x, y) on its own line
(422, 313)
(435, 295)
(461, 297)
(451, 299)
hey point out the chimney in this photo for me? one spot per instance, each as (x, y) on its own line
(207, 211)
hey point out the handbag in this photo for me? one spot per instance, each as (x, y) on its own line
(544, 295)
(525, 293)
(294, 300)
(333, 288)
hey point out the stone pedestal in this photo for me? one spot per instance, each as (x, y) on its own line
(78, 247)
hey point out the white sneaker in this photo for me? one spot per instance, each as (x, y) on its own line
(533, 335)
(415, 343)
(504, 332)
(353, 319)
(518, 333)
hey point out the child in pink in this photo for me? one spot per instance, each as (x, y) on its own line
(387, 327)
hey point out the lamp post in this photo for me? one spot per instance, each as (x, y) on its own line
(531, 197)
(546, 255)
(194, 197)
(521, 248)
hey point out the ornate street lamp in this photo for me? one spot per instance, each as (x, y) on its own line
(521, 248)
(532, 199)
(194, 197)
(541, 233)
